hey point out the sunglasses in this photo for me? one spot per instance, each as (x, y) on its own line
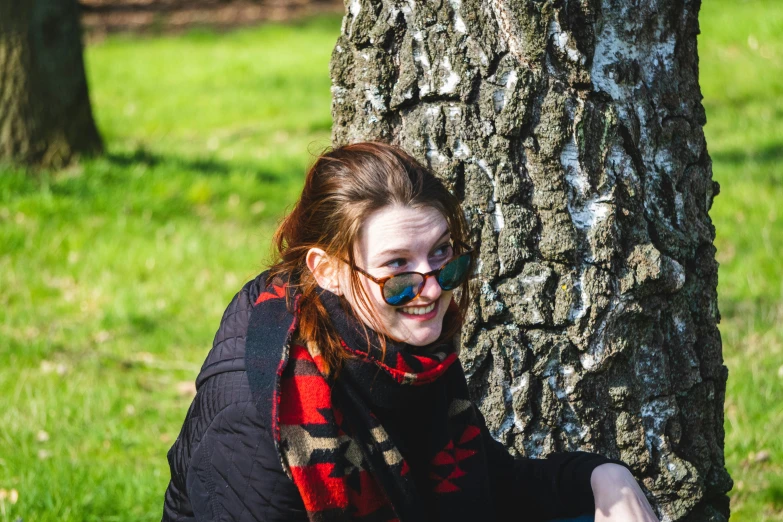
(400, 289)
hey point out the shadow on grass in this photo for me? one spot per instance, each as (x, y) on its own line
(205, 166)
(771, 154)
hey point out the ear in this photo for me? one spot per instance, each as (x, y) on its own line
(325, 269)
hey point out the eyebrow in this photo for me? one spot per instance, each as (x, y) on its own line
(399, 251)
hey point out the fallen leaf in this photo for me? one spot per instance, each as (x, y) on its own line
(145, 357)
(102, 336)
(761, 456)
(186, 388)
(49, 367)
(257, 207)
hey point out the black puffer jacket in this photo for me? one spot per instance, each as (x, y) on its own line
(224, 465)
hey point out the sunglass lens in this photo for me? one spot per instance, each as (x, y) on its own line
(401, 288)
(454, 272)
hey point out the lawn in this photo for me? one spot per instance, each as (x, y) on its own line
(741, 50)
(114, 273)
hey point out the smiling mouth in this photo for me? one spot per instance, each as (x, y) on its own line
(419, 310)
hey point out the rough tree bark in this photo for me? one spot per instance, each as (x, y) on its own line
(45, 114)
(572, 131)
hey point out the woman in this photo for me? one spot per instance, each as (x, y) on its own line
(333, 390)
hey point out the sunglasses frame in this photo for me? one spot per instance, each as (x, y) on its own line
(381, 281)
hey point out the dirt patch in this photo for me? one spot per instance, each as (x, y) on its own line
(101, 17)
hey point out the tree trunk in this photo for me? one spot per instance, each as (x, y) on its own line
(45, 115)
(572, 131)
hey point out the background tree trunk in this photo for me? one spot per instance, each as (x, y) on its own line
(572, 130)
(45, 115)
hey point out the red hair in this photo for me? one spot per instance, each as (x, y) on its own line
(342, 188)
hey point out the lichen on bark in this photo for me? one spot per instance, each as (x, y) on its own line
(572, 132)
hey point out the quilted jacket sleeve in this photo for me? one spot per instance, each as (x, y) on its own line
(233, 473)
(541, 489)
(224, 465)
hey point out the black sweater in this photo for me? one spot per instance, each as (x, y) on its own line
(224, 465)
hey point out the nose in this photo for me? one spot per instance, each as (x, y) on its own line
(431, 291)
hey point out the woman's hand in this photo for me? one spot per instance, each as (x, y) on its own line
(618, 498)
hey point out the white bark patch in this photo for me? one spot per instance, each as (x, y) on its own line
(497, 213)
(460, 150)
(588, 361)
(612, 48)
(499, 96)
(459, 23)
(511, 79)
(508, 420)
(499, 100)
(373, 95)
(586, 212)
(591, 213)
(579, 311)
(488, 292)
(508, 30)
(570, 377)
(519, 387)
(558, 391)
(679, 323)
(434, 155)
(655, 414)
(574, 175)
(421, 57)
(407, 9)
(535, 444)
(483, 59)
(575, 431)
(338, 93)
(609, 50)
(418, 54)
(355, 7)
(562, 41)
(562, 380)
(451, 79)
(679, 207)
(679, 274)
(594, 357)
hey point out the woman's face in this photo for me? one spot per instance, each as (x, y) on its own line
(399, 239)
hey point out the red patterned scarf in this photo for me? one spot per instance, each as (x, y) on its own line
(345, 463)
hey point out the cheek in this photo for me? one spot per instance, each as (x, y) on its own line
(445, 301)
(373, 293)
(373, 306)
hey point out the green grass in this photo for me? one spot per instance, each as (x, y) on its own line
(741, 49)
(114, 273)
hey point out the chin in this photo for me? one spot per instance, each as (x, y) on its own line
(423, 338)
